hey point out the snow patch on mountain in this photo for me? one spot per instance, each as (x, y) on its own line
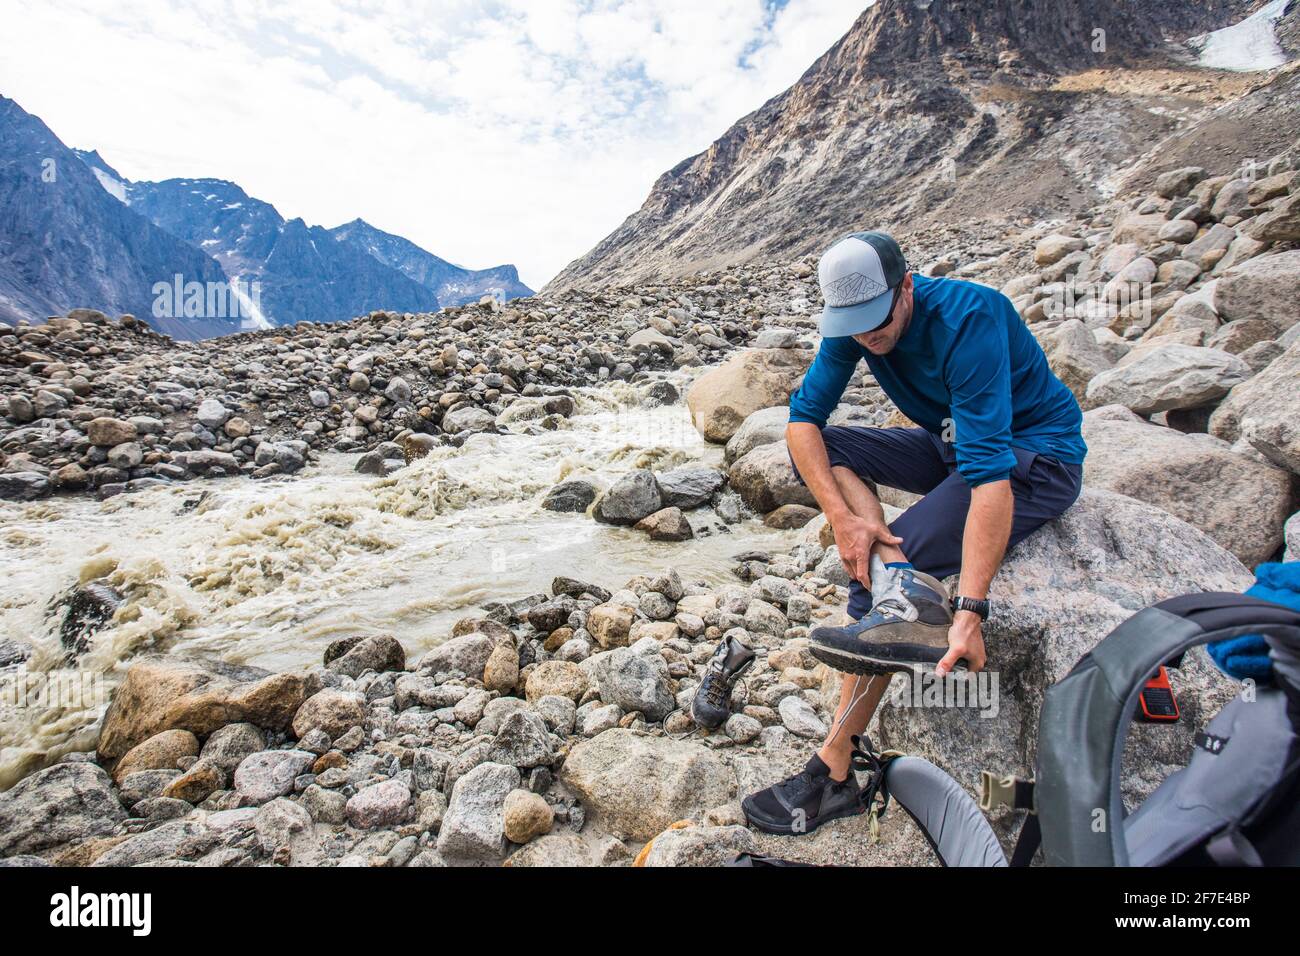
(1247, 46)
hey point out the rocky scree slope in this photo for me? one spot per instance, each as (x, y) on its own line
(109, 405)
(923, 115)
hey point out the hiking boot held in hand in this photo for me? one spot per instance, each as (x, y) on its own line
(905, 630)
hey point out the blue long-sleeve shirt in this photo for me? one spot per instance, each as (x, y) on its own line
(966, 359)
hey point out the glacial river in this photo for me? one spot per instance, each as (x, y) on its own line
(269, 572)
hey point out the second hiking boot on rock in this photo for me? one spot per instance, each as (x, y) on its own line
(712, 704)
(905, 630)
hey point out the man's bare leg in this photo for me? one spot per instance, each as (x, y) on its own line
(859, 696)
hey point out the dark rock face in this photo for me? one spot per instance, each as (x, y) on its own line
(66, 242)
(451, 284)
(924, 113)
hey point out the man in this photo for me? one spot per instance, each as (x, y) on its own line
(999, 452)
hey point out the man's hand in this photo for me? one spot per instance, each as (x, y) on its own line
(965, 639)
(855, 536)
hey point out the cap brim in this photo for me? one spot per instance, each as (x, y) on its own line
(856, 319)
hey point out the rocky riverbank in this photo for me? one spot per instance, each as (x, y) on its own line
(553, 728)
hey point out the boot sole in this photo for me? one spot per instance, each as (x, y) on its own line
(868, 665)
(765, 825)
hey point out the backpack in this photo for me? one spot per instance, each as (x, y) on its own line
(1237, 802)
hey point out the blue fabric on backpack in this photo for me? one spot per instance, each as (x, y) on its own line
(1246, 657)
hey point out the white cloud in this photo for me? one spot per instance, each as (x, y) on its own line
(505, 131)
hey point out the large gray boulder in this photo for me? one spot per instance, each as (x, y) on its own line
(689, 487)
(765, 479)
(1168, 377)
(469, 418)
(1059, 593)
(69, 802)
(1075, 357)
(1265, 411)
(721, 399)
(763, 427)
(1265, 288)
(631, 498)
(1236, 499)
(635, 786)
(473, 829)
(635, 678)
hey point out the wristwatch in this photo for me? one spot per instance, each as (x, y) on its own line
(979, 606)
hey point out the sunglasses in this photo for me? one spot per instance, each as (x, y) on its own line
(890, 316)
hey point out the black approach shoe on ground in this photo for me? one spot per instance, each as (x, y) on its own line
(803, 802)
(905, 630)
(712, 704)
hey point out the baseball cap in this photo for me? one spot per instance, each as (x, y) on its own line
(858, 275)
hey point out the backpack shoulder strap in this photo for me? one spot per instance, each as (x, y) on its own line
(1085, 716)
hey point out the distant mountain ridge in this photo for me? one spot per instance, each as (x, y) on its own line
(66, 242)
(302, 272)
(107, 243)
(452, 284)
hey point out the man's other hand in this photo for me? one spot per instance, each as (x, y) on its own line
(965, 639)
(855, 537)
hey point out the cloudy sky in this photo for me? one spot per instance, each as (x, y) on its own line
(494, 131)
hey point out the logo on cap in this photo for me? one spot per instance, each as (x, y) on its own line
(852, 289)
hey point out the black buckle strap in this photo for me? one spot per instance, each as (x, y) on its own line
(865, 759)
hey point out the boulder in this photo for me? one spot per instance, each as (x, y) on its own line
(1056, 247)
(1166, 377)
(721, 399)
(631, 498)
(160, 752)
(1265, 411)
(574, 496)
(635, 678)
(108, 432)
(1057, 594)
(473, 829)
(1265, 288)
(689, 487)
(635, 786)
(468, 654)
(763, 427)
(1075, 357)
(1279, 224)
(765, 479)
(379, 653)
(527, 816)
(1178, 182)
(331, 711)
(523, 741)
(164, 694)
(469, 418)
(557, 679)
(667, 524)
(381, 805)
(700, 846)
(610, 624)
(263, 776)
(65, 803)
(1236, 499)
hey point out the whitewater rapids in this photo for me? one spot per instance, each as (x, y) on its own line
(267, 573)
